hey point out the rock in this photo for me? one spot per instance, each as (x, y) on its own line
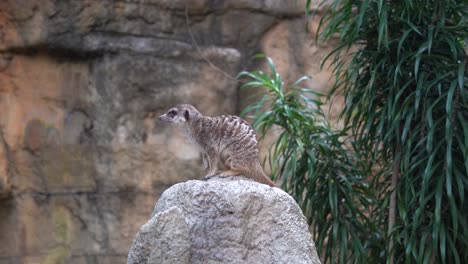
(4, 167)
(224, 220)
(163, 239)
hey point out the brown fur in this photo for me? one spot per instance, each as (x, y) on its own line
(226, 139)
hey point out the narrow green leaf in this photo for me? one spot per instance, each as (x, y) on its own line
(382, 26)
(449, 103)
(308, 3)
(461, 74)
(442, 244)
(414, 27)
(362, 11)
(430, 38)
(416, 65)
(438, 205)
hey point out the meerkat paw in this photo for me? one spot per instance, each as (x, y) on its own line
(211, 175)
(208, 176)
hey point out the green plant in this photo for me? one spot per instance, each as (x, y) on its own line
(315, 166)
(406, 97)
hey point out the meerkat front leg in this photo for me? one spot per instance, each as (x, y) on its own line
(206, 163)
(212, 159)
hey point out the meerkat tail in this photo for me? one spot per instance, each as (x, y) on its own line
(256, 174)
(266, 180)
(259, 175)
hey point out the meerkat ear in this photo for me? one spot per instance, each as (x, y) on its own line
(186, 115)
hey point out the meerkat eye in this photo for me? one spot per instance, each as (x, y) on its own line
(172, 113)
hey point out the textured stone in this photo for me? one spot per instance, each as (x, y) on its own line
(66, 25)
(163, 239)
(227, 220)
(58, 228)
(37, 135)
(5, 167)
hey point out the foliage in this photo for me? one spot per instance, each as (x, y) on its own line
(316, 167)
(407, 105)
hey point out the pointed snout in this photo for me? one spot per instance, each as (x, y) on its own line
(164, 118)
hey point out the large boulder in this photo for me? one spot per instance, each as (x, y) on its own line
(224, 220)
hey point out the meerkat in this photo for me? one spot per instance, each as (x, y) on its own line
(227, 139)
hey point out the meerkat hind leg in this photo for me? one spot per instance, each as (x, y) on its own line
(228, 173)
(229, 170)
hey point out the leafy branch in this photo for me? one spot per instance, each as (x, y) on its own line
(315, 165)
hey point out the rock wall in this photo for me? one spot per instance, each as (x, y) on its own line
(82, 159)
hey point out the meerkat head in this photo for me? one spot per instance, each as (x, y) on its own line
(180, 114)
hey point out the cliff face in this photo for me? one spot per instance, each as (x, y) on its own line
(81, 83)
